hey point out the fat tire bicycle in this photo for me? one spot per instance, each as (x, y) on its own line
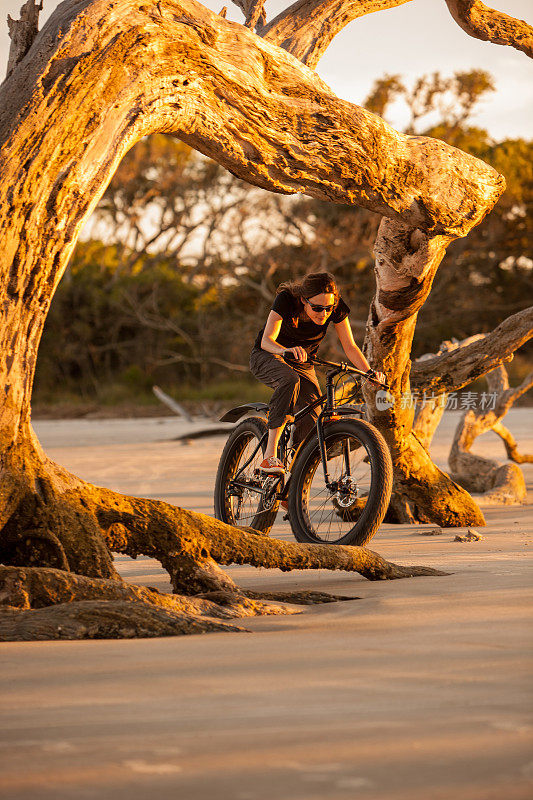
(338, 481)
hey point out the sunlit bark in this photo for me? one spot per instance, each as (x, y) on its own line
(307, 27)
(489, 25)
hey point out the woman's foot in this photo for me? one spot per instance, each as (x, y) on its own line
(272, 466)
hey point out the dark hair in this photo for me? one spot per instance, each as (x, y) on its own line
(309, 286)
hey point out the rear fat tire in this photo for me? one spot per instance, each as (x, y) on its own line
(380, 488)
(250, 429)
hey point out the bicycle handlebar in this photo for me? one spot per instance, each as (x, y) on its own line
(343, 366)
(347, 368)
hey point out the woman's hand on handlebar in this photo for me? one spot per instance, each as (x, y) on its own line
(380, 377)
(298, 353)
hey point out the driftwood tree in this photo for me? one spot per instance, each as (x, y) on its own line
(496, 483)
(99, 76)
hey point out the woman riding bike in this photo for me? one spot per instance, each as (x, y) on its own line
(296, 324)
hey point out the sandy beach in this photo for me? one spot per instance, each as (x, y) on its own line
(421, 688)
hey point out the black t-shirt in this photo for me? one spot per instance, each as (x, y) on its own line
(306, 334)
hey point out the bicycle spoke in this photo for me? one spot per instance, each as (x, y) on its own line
(330, 513)
(243, 499)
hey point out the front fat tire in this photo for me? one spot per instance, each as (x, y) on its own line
(250, 429)
(380, 489)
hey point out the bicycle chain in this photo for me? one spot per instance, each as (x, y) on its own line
(257, 513)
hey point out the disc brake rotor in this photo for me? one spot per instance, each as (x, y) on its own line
(347, 492)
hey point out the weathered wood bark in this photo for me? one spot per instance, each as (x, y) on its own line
(453, 368)
(494, 482)
(307, 27)
(406, 262)
(98, 77)
(489, 25)
(429, 412)
(22, 32)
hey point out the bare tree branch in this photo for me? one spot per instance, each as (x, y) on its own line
(510, 445)
(22, 32)
(489, 25)
(452, 370)
(497, 483)
(253, 11)
(307, 28)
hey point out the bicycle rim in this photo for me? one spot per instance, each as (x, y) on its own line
(330, 515)
(242, 506)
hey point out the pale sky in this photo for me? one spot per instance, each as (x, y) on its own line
(413, 39)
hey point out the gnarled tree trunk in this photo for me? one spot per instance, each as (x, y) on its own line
(98, 77)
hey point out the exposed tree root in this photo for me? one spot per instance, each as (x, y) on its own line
(73, 518)
(52, 604)
(301, 598)
(88, 619)
(26, 588)
(203, 541)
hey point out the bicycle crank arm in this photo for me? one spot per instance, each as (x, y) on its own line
(242, 485)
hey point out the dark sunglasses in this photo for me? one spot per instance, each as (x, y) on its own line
(318, 308)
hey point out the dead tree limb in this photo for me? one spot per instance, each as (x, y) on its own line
(22, 32)
(307, 27)
(495, 483)
(510, 445)
(429, 411)
(489, 25)
(453, 369)
(253, 11)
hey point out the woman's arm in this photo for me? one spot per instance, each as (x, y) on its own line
(271, 333)
(344, 332)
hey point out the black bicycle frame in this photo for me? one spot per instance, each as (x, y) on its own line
(329, 409)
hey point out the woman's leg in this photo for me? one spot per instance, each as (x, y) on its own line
(274, 435)
(274, 372)
(309, 392)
